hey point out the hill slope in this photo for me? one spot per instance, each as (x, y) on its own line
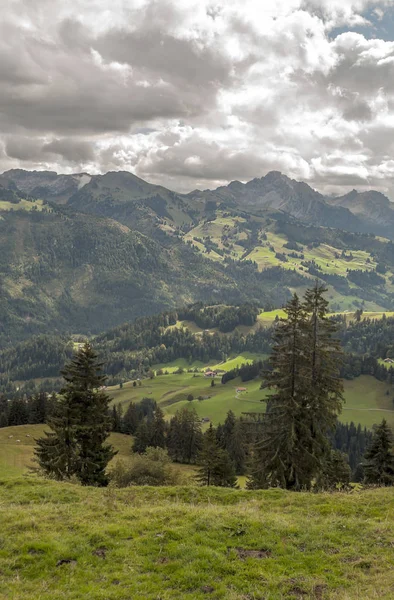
(193, 543)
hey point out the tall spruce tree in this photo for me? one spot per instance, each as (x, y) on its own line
(305, 398)
(379, 458)
(80, 424)
(279, 457)
(324, 394)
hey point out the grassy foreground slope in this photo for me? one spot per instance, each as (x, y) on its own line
(62, 541)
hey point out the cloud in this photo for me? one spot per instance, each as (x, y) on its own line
(194, 93)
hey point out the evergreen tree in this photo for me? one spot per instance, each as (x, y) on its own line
(216, 467)
(324, 396)
(184, 439)
(3, 411)
(232, 439)
(305, 400)
(158, 430)
(38, 408)
(379, 458)
(335, 470)
(80, 425)
(142, 437)
(224, 472)
(57, 452)
(208, 457)
(116, 417)
(279, 458)
(130, 419)
(18, 413)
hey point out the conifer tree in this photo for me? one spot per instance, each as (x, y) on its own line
(305, 398)
(324, 398)
(158, 429)
(335, 470)
(208, 457)
(184, 436)
(130, 419)
(117, 418)
(80, 425)
(216, 467)
(18, 412)
(142, 437)
(38, 408)
(379, 458)
(231, 438)
(3, 411)
(279, 458)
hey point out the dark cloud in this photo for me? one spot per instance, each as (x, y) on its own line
(71, 150)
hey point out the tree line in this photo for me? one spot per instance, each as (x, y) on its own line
(297, 444)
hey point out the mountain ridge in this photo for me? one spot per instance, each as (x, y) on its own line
(128, 198)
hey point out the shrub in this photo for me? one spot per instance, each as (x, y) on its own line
(154, 467)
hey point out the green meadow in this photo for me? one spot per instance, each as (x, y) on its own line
(367, 400)
(63, 541)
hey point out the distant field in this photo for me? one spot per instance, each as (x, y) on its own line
(367, 401)
(22, 205)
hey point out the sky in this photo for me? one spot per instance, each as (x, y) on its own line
(196, 93)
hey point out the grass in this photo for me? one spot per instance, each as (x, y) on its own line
(22, 205)
(367, 401)
(62, 541)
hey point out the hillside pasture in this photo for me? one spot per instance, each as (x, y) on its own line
(64, 541)
(367, 401)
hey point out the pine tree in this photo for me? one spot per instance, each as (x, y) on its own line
(158, 430)
(3, 411)
(57, 452)
(279, 458)
(117, 418)
(38, 408)
(335, 470)
(80, 425)
(208, 457)
(306, 397)
(216, 467)
(130, 419)
(325, 388)
(224, 471)
(18, 412)
(379, 458)
(231, 438)
(184, 436)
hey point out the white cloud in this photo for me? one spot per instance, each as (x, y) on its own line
(193, 93)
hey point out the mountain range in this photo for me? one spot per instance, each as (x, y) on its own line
(82, 253)
(124, 196)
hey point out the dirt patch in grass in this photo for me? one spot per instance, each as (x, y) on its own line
(244, 553)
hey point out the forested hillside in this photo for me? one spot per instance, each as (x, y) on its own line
(82, 254)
